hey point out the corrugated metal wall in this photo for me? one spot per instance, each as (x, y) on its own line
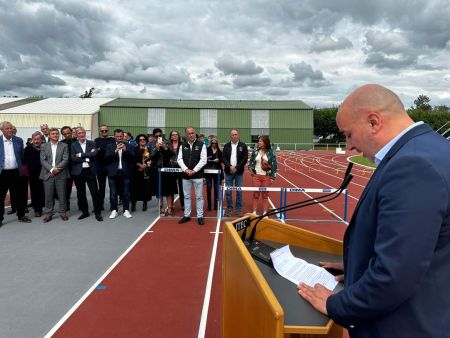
(286, 126)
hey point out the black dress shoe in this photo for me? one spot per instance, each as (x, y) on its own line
(99, 217)
(133, 207)
(48, 218)
(37, 214)
(24, 219)
(12, 211)
(64, 217)
(200, 221)
(184, 220)
(83, 215)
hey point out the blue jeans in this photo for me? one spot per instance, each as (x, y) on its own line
(119, 184)
(234, 180)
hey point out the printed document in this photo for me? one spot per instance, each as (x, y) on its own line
(298, 270)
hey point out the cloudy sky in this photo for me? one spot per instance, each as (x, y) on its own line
(312, 50)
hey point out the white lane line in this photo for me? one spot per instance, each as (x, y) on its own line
(92, 288)
(321, 204)
(312, 178)
(206, 300)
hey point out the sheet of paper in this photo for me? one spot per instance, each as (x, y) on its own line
(298, 270)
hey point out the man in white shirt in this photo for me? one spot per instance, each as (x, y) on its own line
(11, 155)
(191, 159)
(54, 173)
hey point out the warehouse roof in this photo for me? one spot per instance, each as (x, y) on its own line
(206, 104)
(10, 102)
(60, 106)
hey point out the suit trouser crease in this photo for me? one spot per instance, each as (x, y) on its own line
(54, 186)
(86, 177)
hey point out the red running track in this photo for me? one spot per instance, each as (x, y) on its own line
(161, 287)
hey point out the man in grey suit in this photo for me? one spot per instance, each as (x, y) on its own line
(54, 173)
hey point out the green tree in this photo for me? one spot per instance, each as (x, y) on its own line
(325, 122)
(423, 103)
(88, 94)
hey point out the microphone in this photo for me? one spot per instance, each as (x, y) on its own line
(261, 250)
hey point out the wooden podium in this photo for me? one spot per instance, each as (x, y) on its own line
(253, 293)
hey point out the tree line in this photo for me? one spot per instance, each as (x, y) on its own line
(326, 128)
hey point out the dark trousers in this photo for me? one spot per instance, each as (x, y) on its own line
(119, 185)
(37, 193)
(211, 182)
(101, 178)
(69, 184)
(86, 177)
(11, 180)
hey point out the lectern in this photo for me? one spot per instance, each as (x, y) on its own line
(256, 301)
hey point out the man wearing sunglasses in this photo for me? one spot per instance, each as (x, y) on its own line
(101, 144)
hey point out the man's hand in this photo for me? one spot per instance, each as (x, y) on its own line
(334, 266)
(55, 171)
(316, 295)
(233, 169)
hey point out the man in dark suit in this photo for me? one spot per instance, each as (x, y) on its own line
(235, 156)
(84, 170)
(32, 159)
(120, 159)
(66, 132)
(101, 143)
(397, 245)
(54, 173)
(11, 155)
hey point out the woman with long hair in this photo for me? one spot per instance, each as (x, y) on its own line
(175, 143)
(141, 186)
(263, 168)
(214, 161)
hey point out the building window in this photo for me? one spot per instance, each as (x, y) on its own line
(156, 118)
(208, 122)
(260, 124)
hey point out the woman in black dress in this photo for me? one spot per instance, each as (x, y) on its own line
(214, 154)
(141, 188)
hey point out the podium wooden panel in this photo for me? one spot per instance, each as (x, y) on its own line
(249, 306)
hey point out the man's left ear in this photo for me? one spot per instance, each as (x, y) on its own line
(375, 121)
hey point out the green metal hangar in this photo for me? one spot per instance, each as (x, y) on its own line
(286, 122)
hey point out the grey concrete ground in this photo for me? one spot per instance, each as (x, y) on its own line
(45, 268)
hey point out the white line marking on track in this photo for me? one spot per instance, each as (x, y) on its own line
(312, 178)
(92, 288)
(206, 300)
(214, 232)
(321, 204)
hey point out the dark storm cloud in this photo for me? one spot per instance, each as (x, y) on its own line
(330, 44)
(232, 66)
(251, 81)
(29, 78)
(304, 74)
(380, 60)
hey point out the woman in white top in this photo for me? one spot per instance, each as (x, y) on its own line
(263, 168)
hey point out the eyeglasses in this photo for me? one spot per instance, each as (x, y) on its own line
(142, 139)
(104, 131)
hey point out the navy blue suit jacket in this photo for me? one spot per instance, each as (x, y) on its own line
(18, 151)
(397, 245)
(77, 162)
(112, 160)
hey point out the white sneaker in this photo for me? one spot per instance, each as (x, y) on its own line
(127, 214)
(113, 214)
(254, 212)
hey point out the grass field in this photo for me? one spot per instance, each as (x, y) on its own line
(362, 160)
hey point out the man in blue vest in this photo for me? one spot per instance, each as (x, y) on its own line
(191, 160)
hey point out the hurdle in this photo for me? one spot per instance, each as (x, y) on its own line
(178, 170)
(319, 191)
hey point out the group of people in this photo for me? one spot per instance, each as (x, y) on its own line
(51, 163)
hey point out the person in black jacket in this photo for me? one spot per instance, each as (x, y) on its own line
(192, 159)
(235, 156)
(214, 161)
(67, 133)
(32, 159)
(101, 143)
